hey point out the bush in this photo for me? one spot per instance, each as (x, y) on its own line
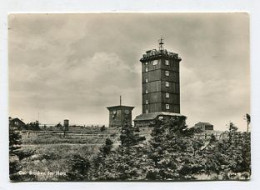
(103, 128)
(79, 168)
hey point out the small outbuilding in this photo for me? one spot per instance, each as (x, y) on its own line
(120, 115)
(149, 119)
(16, 123)
(204, 126)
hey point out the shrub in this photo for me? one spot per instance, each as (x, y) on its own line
(78, 169)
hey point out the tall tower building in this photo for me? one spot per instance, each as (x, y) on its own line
(160, 87)
(160, 81)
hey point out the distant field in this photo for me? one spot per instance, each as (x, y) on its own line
(51, 150)
(71, 137)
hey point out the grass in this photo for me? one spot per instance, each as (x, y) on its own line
(57, 137)
(51, 151)
(49, 159)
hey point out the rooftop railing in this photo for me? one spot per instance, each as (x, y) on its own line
(154, 52)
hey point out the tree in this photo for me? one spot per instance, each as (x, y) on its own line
(248, 121)
(14, 147)
(232, 129)
(79, 168)
(99, 163)
(123, 162)
(172, 153)
(33, 126)
(130, 136)
(59, 126)
(172, 148)
(103, 128)
(105, 150)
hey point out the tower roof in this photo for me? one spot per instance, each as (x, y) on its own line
(120, 107)
(155, 54)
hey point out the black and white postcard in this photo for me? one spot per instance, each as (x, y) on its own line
(129, 97)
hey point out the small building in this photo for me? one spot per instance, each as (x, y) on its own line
(204, 126)
(66, 125)
(120, 115)
(204, 130)
(16, 123)
(149, 119)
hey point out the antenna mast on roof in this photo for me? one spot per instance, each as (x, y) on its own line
(161, 44)
(120, 100)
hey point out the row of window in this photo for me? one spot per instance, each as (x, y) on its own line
(167, 73)
(167, 106)
(155, 62)
(167, 95)
(167, 84)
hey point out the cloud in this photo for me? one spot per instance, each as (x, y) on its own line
(74, 65)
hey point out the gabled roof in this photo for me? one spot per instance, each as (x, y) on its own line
(203, 123)
(17, 119)
(154, 115)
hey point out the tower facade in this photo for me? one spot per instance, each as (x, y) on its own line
(160, 81)
(120, 115)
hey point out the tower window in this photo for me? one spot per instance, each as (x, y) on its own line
(166, 62)
(146, 111)
(146, 91)
(146, 80)
(167, 84)
(146, 63)
(155, 62)
(167, 73)
(146, 69)
(167, 106)
(146, 101)
(167, 95)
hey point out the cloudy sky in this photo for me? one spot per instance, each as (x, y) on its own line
(75, 65)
